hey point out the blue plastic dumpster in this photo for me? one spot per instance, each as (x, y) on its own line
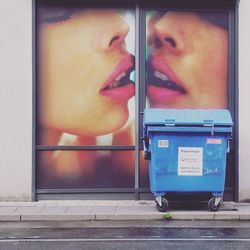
(187, 151)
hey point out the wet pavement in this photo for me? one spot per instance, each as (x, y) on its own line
(128, 235)
(133, 233)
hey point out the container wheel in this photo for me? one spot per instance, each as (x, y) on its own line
(212, 205)
(147, 155)
(164, 205)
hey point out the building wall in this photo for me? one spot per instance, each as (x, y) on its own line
(16, 100)
(244, 101)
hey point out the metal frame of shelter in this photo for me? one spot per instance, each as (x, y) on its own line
(140, 7)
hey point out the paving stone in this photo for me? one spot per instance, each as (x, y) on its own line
(8, 214)
(66, 213)
(7, 210)
(53, 210)
(68, 203)
(228, 206)
(146, 203)
(98, 203)
(135, 209)
(18, 204)
(78, 210)
(45, 203)
(129, 203)
(137, 213)
(243, 207)
(103, 210)
(244, 215)
(104, 213)
(79, 213)
(46, 213)
(28, 210)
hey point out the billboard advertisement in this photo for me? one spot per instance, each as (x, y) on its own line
(86, 88)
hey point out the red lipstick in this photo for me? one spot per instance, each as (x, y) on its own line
(118, 86)
(163, 84)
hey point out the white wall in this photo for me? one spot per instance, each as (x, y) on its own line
(244, 100)
(15, 99)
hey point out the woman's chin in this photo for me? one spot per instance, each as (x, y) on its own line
(191, 104)
(113, 124)
(105, 125)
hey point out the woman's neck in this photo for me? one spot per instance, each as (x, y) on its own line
(58, 138)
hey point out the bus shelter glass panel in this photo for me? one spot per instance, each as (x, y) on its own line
(85, 69)
(186, 62)
(85, 95)
(85, 169)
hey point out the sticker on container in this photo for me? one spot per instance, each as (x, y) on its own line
(162, 143)
(190, 161)
(214, 141)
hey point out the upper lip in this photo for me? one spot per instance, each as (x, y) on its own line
(160, 65)
(125, 64)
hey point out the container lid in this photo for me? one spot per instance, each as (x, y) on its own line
(187, 117)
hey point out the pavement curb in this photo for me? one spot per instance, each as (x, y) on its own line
(112, 210)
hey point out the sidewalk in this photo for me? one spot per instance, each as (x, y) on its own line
(84, 210)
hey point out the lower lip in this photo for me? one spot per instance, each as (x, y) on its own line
(123, 93)
(163, 95)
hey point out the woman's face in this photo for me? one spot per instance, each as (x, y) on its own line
(84, 69)
(188, 62)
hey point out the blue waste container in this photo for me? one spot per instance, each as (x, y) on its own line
(187, 150)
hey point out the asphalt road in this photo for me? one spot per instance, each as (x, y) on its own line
(128, 236)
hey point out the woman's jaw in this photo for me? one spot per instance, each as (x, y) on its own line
(167, 89)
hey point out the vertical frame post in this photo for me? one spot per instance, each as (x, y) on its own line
(33, 181)
(137, 93)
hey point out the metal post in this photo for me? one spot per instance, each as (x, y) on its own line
(33, 183)
(137, 93)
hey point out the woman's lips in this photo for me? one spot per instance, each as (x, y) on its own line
(120, 93)
(118, 86)
(163, 84)
(162, 95)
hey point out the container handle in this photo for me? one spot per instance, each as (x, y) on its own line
(170, 122)
(209, 123)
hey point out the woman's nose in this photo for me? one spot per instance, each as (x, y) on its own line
(113, 35)
(167, 35)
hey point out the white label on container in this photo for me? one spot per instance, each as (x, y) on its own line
(214, 141)
(162, 143)
(190, 161)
